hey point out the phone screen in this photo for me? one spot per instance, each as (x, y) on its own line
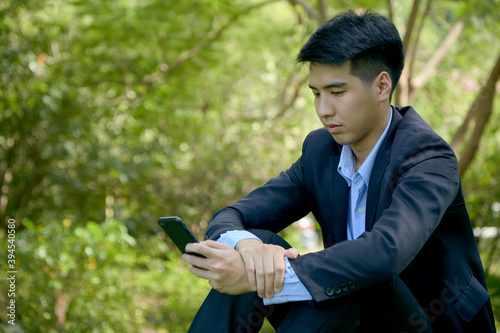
(178, 233)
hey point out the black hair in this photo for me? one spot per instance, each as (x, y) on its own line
(369, 41)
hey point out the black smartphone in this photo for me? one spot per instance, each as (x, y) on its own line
(178, 233)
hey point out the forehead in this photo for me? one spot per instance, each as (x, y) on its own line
(321, 75)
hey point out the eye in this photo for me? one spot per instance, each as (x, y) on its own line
(337, 93)
(315, 94)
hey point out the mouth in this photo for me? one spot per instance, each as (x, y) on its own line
(332, 128)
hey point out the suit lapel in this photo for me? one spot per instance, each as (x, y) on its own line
(378, 171)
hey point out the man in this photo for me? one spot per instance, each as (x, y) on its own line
(399, 251)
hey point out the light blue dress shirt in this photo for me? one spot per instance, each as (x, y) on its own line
(293, 289)
(358, 182)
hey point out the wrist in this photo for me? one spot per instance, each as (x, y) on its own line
(247, 243)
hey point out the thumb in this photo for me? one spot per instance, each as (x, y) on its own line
(291, 253)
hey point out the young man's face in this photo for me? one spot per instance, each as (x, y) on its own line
(349, 109)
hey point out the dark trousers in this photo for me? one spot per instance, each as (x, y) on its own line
(385, 307)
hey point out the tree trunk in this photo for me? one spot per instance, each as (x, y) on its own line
(410, 83)
(480, 111)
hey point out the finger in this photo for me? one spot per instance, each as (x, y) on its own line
(201, 273)
(279, 275)
(216, 245)
(206, 248)
(291, 253)
(260, 277)
(250, 269)
(195, 261)
(249, 258)
(270, 270)
(193, 247)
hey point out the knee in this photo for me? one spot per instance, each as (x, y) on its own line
(269, 237)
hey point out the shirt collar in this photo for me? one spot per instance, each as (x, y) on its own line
(347, 163)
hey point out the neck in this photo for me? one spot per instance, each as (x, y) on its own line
(364, 149)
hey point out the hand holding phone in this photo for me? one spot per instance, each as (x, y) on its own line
(178, 233)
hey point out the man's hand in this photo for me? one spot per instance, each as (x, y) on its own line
(223, 267)
(264, 265)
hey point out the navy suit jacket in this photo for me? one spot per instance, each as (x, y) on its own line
(417, 225)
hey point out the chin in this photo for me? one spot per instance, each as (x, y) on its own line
(339, 140)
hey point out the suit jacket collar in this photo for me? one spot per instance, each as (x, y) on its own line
(378, 170)
(339, 190)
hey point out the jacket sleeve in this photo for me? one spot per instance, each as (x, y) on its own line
(274, 206)
(422, 181)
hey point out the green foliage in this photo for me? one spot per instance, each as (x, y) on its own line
(493, 282)
(97, 278)
(121, 117)
(132, 110)
(70, 277)
(167, 294)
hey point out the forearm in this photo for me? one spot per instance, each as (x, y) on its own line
(226, 219)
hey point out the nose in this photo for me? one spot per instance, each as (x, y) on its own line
(324, 108)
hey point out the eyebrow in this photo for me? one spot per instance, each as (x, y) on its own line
(331, 85)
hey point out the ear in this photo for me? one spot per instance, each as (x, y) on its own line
(384, 86)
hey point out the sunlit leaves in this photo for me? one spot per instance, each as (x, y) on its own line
(170, 108)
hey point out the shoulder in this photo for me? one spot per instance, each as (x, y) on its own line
(411, 120)
(414, 132)
(415, 142)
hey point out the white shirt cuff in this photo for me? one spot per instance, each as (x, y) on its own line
(233, 237)
(293, 290)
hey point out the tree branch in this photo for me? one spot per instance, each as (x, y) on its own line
(322, 10)
(299, 82)
(308, 8)
(390, 9)
(421, 79)
(403, 88)
(482, 110)
(410, 25)
(414, 48)
(459, 136)
(210, 37)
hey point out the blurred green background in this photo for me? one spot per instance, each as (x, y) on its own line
(116, 112)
